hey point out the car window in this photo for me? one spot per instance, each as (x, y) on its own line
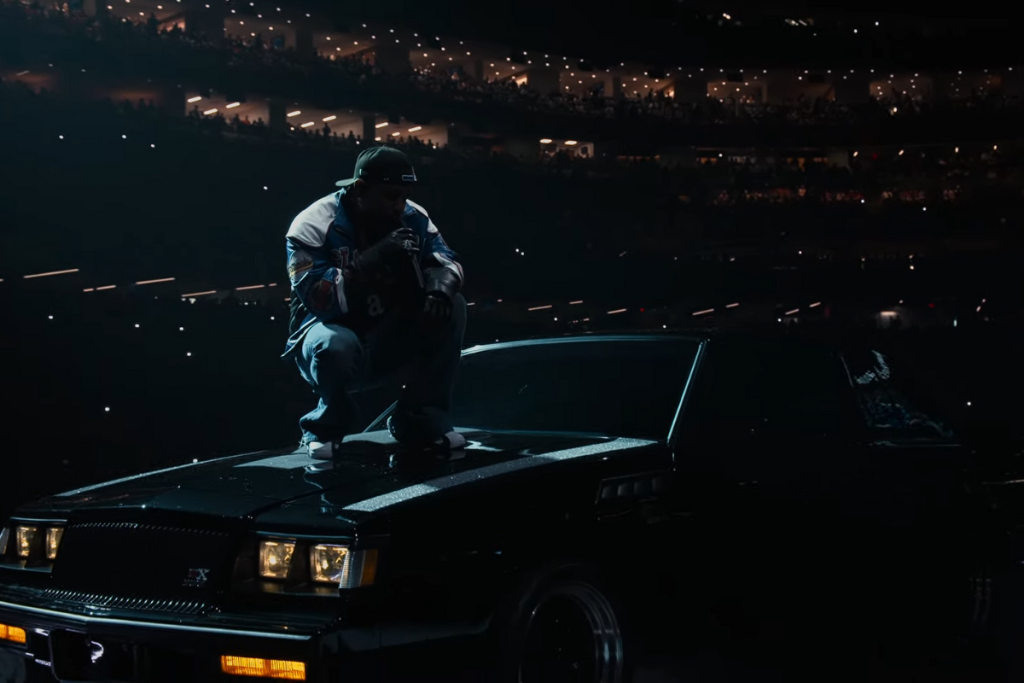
(890, 406)
(805, 390)
(777, 387)
(621, 388)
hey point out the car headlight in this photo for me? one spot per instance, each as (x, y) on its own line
(342, 566)
(5, 535)
(53, 536)
(276, 558)
(24, 536)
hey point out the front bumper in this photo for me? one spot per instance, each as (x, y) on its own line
(79, 647)
(90, 648)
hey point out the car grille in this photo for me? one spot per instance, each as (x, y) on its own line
(162, 563)
(149, 528)
(189, 607)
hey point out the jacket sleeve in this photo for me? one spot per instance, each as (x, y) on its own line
(318, 284)
(434, 252)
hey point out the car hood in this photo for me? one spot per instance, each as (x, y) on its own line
(370, 473)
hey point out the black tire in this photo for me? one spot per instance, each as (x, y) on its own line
(562, 626)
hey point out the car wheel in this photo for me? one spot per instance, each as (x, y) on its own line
(564, 629)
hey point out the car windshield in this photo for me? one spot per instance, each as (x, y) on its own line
(628, 388)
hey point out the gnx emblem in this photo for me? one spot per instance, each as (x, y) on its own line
(196, 578)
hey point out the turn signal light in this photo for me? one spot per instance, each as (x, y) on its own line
(12, 633)
(262, 668)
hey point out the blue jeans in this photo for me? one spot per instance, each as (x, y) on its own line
(336, 361)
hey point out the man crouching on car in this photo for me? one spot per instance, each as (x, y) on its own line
(375, 289)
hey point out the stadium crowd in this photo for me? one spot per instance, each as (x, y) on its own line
(100, 41)
(585, 212)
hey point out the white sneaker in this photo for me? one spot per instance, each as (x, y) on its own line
(320, 451)
(452, 441)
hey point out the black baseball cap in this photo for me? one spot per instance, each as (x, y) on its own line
(382, 165)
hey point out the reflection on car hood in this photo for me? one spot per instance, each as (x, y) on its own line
(369, 474)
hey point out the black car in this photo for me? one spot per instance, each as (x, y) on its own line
(619, 494)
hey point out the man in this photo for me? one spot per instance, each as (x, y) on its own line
(375, 289)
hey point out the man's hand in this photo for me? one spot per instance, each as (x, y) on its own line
(437, 308)
(390, 249)
(441, 285)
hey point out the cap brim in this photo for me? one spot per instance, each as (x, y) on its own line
(345, 183)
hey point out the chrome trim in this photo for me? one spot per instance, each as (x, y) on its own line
(563, 340)
(17, 567)
(305, 537)
(149, 624)
(139, 526)
(652, 474)
(686, 392)
(94, 600)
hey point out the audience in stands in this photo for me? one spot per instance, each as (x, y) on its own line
(263, 61)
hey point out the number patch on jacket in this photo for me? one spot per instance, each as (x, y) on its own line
(374, 307)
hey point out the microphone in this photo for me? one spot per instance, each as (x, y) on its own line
(417, 272)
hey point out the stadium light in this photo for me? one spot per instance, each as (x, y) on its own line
(415, 128)
(194, 99)
(208, 112)
(293, 113)
(329, 118)
(233, 105)
(381, 125)
(307, 124)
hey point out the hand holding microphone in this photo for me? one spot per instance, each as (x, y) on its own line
(388, 251)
